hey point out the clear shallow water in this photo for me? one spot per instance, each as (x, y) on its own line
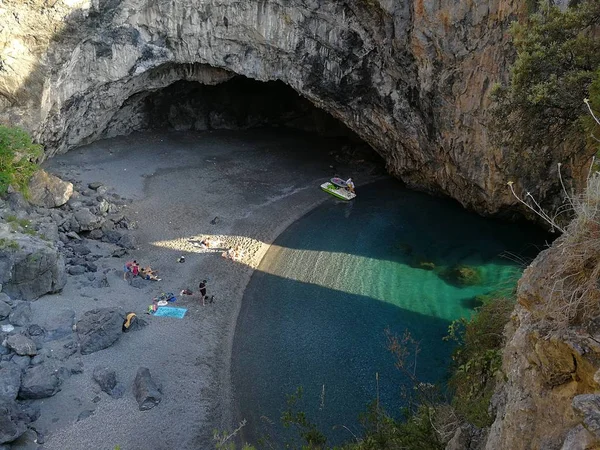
(316, 310)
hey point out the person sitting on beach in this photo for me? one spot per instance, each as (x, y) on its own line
(350, 185)
(128, 269)
(135, 269)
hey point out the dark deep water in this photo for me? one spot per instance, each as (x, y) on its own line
(315, 312)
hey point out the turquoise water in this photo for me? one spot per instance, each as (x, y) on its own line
(316, 311)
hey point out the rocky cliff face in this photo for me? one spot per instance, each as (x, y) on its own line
(410, 78)
(548, 399)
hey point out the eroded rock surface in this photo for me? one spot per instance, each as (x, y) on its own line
(99, 329)
(48, 190)
(541, 404)
(29, 266)
(410, 78)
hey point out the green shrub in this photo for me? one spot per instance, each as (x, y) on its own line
(8, 244)
(557, 63)
(477, 360)
(17, 156)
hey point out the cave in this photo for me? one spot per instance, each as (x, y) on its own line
(239, 103)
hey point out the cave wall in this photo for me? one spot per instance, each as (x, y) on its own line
(239, 103)
(411, 78)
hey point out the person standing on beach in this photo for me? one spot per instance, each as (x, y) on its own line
(202, 289)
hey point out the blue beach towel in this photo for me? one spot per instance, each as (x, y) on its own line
(169, 311)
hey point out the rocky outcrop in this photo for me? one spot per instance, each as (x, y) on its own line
(542, 404)
(40, 381)
(48, 190)
(99, 329)
(29, 266)
(13, 421)
(410, 78)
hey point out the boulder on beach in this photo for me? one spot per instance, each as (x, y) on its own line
(106, 378)
(99, 329)
(21, 345)
(48, 190)
(20, 316)
(29, 267)
(10, 382)
(39, 381)
(13, 421)
(145, 390)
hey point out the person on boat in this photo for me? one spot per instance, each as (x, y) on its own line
(350, 185)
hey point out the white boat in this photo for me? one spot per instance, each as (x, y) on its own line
(337, 191)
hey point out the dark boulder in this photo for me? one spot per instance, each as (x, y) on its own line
(10, 382)
(31, 267)
(13, 421)
(4, 310)
(145, 390)
(106, 378)
(99, 329)
(39, 381)
(27, 441)
(20, 315)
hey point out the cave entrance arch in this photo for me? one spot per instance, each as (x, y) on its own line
(240, 103)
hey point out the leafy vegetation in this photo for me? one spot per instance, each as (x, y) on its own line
(477, 360)
(17, 156)
(8, 244)
(557, 64)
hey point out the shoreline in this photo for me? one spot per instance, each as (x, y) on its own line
(179, 182)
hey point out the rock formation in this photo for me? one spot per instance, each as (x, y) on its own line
(410, 78)
(542, 403)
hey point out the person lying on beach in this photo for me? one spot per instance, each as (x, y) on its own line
(148, 274)
(235, 254)
(209, 243)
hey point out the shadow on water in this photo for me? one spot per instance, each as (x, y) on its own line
(316, 310)
(332, 344)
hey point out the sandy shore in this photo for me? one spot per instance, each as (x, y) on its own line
(241, 188)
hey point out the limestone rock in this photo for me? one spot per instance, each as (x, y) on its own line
(412, 79)
(579, 438)
(31, 267)
(145, 390)
(106, 378)
(22, 345)
(48, 190)
(13, 422)
(99, 329)
(27, 441)
(4, 310)
(587, 406)
(86, 220)
(39, 381)
(10, 382)
(20, 315)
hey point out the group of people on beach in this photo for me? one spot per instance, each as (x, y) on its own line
(132, 269)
